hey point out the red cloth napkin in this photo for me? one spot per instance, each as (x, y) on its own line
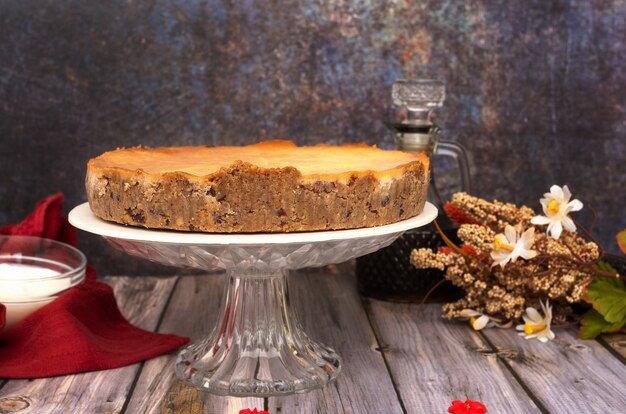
(83, 329)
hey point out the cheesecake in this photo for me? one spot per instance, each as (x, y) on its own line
(273, 186)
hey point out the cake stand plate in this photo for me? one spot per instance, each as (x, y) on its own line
(257, 348)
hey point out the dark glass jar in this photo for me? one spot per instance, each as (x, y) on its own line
(387, 273)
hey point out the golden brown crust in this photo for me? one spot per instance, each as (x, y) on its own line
(244, 197)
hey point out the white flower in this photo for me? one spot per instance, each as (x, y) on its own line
(556, 206)
(536, 326)
(510, 245)
(480, 320)
(477, 319)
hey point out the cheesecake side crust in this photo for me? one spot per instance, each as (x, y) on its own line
(245, 198)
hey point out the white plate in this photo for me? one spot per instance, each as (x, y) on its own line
(82, 218)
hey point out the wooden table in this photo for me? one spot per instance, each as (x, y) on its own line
(398, 358)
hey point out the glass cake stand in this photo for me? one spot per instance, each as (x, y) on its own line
(257, 348)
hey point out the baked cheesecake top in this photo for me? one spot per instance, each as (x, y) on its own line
(318, 160)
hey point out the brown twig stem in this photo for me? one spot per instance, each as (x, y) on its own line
(588, 234)
(448, 242)
(594, 218)
(432, 289)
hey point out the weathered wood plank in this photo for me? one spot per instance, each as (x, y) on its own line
(193, 311)
(616, 341)
(330, 311)
(142, 301)
(434, 361)
(566, 372)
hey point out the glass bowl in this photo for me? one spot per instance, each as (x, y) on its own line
(34, 271)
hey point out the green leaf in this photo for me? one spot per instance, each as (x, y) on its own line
(593, 324)
(621, 240)
(606, 267)
(608, 297)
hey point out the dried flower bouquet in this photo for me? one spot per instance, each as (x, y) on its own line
(507, 264)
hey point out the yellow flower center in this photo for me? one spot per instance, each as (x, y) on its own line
(553, 206)
(472, 320)
(499, 244)
(529, 329)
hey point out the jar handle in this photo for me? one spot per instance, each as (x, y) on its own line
(456, 151)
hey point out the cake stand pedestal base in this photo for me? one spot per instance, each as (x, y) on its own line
(258, 347)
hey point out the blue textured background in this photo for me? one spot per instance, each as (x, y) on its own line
(535, 88)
